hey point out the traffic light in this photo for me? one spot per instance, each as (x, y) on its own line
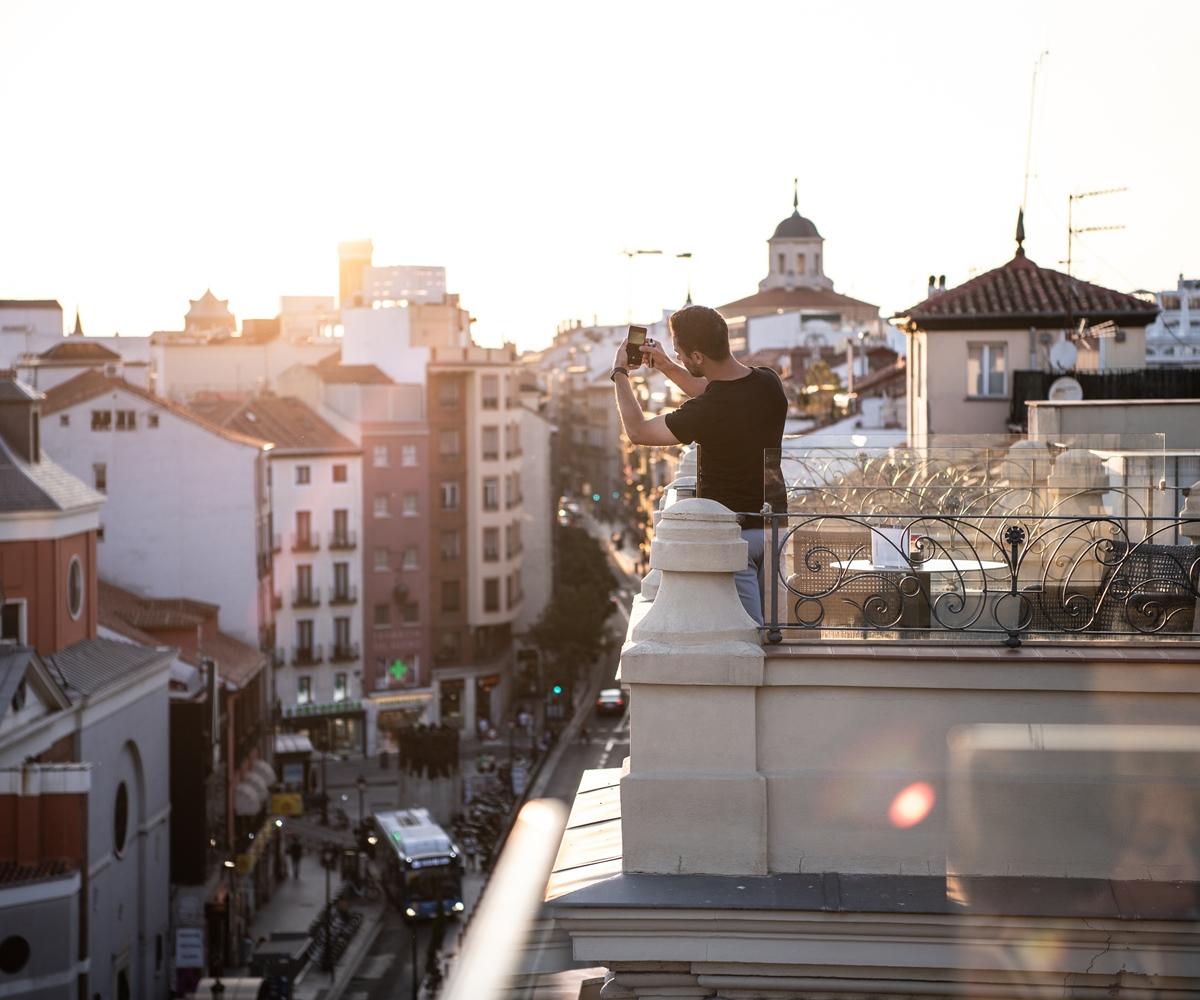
(595, 498)
(557, 689)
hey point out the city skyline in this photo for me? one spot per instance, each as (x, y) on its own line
(525, 152)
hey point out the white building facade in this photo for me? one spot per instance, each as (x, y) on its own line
(188, 506)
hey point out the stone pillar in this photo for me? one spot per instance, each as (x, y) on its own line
(693, 800)
(1075, 488)
(681, 487)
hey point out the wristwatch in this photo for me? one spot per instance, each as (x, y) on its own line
(618, 371)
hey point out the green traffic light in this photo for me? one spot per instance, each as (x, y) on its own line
(557, 689)
(595, 498)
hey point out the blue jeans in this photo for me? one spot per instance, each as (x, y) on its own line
(749, 581)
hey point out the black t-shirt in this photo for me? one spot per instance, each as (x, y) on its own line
(733, 422)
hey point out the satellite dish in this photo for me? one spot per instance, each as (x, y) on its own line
(1065, 389)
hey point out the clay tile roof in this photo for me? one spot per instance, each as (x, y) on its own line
(79, 349)
(136, 617)
(1021, 293)
(90, 384)
(283, 420)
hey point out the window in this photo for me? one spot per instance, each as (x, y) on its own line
(491, 493)
(450, 546)
(408, 456)
(64, 420)
(782, 265)
(12, 622)
(100, 476)
(152, 420)
(382, 505)
(410, 505)
(817, 263)
(339, 687)
(448, 444)
(303, 529)
(986, 373)
(303, 690)
(448, 395)
(341, 633)
(341, 526)
(341, 579)
(491, 544)
(126, 420)
(303, 475)
(383, 615)
(102, 420)
(450, 496)
(383, 560)
(409, 560)
(380, 456)
(304, 634)
(449, 646)
(120, 819)
(410, 612)
(490, 391)
(75, 587)
(14, 954)
(491, 443)
(450, 595)
(339, 473)
(800, 263)
(491, 594)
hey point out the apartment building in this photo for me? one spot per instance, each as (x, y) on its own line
(315, 477)
(188, 508)
(477, 523)
(386, 422)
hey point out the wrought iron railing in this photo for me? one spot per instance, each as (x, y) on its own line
(1006, 574)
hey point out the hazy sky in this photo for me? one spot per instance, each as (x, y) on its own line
(152, 150)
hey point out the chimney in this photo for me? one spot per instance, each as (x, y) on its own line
(941, 283)
(20, 417)
(932, 286)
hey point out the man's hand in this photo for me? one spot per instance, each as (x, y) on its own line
(654, 355)
(622, 358)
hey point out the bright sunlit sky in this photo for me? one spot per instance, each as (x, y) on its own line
(153, 150)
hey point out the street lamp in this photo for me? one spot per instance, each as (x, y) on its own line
(361, 784)
(328, 859)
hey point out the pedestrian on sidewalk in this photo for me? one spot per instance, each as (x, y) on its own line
(295, 852)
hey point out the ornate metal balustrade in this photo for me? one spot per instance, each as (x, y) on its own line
(1017, 564)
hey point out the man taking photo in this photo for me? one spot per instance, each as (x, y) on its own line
(734, 413)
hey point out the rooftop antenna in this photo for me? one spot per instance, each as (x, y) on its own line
(1029, 135)
(1072, 232)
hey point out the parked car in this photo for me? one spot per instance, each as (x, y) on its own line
(610, 701)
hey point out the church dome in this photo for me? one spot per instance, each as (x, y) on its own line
(796, 227)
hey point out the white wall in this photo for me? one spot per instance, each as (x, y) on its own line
(181, 510)
(183, 369)
(382, 337)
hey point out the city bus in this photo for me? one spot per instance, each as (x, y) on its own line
(422, 867)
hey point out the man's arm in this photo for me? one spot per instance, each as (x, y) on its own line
(639, 428)
(692, 385)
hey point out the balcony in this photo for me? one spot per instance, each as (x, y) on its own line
(310, 542)
(903, 767)
(306, 597)
(343, 541)
(277, 601)
(344, 595)
(344, 652)
(306, 656)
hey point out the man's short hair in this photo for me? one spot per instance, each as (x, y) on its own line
(698, 328)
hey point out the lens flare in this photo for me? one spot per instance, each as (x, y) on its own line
(911, 805)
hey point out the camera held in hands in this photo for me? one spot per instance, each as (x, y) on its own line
(633, 347)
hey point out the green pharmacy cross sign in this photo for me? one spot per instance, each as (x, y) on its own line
(398, 669)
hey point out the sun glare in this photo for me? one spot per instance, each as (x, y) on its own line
(912, 805)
